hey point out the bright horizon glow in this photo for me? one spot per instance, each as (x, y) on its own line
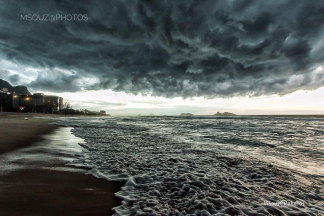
(120, 103)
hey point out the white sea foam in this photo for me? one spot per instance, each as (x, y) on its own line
(204, 166)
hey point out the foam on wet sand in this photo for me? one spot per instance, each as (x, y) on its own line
(169, 167)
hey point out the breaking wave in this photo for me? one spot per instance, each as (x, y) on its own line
(207, 166)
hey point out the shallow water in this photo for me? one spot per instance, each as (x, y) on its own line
(208, 166)
(57, 148)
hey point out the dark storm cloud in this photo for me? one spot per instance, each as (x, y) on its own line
(14, 79)
(4, 74)
(171, 48)
(56, 82)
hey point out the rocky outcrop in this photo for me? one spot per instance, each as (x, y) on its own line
(224, 114)
(22, 90)
(186, 114)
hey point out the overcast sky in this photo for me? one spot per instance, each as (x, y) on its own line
(169, 57)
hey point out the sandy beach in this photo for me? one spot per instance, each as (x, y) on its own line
(49, 187)
(17, 132)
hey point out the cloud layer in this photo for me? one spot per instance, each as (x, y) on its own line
(169, 48)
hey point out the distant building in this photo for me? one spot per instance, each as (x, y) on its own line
(14, 100)
(102, 112)
(20, 99)
(41, 103)
(56, 103)
(9, 101)
(4, 99)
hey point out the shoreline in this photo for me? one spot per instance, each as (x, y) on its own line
(35, 179)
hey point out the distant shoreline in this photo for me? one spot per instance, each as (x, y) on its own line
(14, 114)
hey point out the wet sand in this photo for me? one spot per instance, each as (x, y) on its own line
(51, 192)
(15, 132)
(48, 187)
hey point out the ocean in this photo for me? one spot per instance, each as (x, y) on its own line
(207, 165)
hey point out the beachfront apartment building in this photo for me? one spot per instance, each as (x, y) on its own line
(8, 101)
(39, 102)
(3, 100)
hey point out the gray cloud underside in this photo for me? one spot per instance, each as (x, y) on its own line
(14, 79)
(171, 48)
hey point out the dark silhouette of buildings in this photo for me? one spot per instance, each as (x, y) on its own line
(102, 112)
(37, 102)
(18, 98)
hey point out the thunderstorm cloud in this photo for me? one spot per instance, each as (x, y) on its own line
(168, 48)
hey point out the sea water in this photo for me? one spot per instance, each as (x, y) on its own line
(207, 165)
